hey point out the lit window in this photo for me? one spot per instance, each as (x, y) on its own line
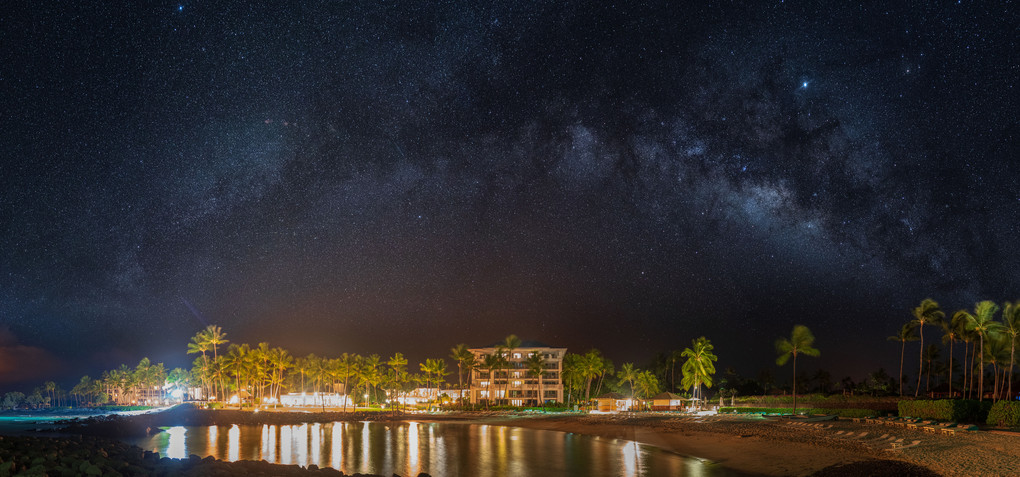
(517, 356)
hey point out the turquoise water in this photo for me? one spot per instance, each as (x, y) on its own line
(441, 449)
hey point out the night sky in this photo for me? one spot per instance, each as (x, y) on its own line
(379, 176)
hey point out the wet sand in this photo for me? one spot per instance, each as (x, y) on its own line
(748, 445)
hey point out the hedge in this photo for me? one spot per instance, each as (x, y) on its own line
(759, 410)
(844, 412)
(960, 410)
(1005, 413)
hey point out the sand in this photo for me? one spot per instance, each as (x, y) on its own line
(747, 445)
(777, 447)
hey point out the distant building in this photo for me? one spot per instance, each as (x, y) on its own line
(614, 402)
(314, 399)
(513, 383)
(668, 402)
(424, 395)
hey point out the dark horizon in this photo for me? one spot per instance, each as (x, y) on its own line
(372, 178)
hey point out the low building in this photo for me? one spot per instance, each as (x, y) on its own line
(667, 401)
(614, 402)
(424, 395)
(315, 399)
(513, 383)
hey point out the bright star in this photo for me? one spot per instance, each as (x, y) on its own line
(180, 8)
(804, 85)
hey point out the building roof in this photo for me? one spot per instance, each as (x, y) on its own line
(668, 395)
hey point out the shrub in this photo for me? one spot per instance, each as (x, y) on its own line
(1004, 413)
(845, 412)
(961, 410)
(759, 410)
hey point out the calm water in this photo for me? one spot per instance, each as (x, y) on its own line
(441, 449)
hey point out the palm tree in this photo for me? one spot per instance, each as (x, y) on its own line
(536, 366)
(237, 364)
(647, 384)
(465, 361)
(699, 367)
(627, 374)
(370, 374)
(347, 368)
(398, 363)
(492, 362)
(281, 361)
(1011, 322)
(197, 345)
(211, 337)
(996, 353)
(905, 334)
(800, 342)
(928, 312)
(952, 331)
(931, 353)
(983, 323)
(510, 343)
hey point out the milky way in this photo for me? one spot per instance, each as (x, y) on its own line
(377, 178)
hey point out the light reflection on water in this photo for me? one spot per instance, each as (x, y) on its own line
(407, 448)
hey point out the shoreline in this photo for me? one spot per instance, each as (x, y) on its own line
(744, 444)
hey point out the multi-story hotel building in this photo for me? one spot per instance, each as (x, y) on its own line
(512, 382)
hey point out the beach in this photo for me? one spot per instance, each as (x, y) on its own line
(781, 448)
(750, 445)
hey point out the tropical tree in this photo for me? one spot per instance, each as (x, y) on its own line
(465, 362)
(237, 366)
(931, 353)
(952, 331)
(928, 312)
(536, 367)
(510, 343)
(281, 361)
(397, 363)
(199, 345)
(347, 368)
(983, 323)
(905, 334)
(801, 342)
(646, 383)
(1011, 327)
(492, 362)
(996, 354)
(627, 374)
(699, 367)
(371, 377)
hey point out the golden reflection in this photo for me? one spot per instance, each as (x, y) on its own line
(337, 452)
(210, 446)
(501, 446)
(271, 457)
(412, 449)
(234, 443)
(631, 459)
(366, 442)
(301, 441)
(316, 431)
(175, 448)
(264, 449)
(516, 444)
(286, 435)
